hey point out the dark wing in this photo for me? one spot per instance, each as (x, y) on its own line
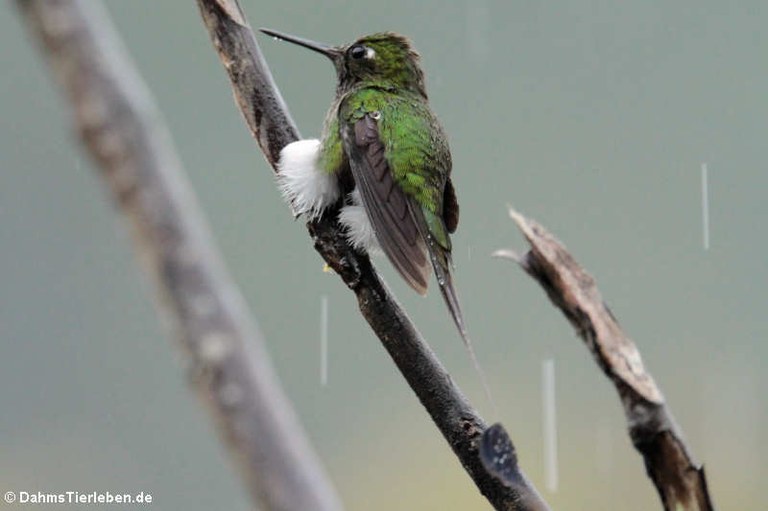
(450, 207)
(385, 202)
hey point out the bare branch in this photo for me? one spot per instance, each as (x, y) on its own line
(679, 480)
(271, 125)
(121, 128)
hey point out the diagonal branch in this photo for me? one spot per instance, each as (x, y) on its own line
(121, 128)
(271, 124)
(679, 480)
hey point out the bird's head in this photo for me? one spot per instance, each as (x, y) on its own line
(384, 59)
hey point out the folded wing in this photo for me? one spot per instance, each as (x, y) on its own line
(387, 205)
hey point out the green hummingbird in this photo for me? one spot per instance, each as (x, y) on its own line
(383, 151)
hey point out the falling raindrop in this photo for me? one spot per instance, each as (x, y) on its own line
(324, 340)
(705, 204)
(549, 421)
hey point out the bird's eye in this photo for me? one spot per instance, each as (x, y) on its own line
(358, 52)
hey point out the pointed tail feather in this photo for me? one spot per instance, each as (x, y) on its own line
(438, 242)
(441, 262)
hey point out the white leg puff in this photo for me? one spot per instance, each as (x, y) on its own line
(360, 233)
(306, 187)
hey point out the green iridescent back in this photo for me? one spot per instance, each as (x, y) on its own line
(416, 147)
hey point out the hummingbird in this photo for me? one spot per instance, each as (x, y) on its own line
(385, 154)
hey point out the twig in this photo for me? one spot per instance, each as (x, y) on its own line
(229, 366)
(679, 480)
(271, 125)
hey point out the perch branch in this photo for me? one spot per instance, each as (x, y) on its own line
(681, 483)
(122, 130)
(271, 125)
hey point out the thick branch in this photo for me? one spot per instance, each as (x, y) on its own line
(271, 125)
(229, 366)
(679, 480)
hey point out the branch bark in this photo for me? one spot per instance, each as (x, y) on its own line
(123, 132)
(271, 125)
(681, 482)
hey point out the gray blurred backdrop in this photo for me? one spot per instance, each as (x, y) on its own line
(592, 117)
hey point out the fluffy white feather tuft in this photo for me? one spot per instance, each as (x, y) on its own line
(360, 232)
(306, 187)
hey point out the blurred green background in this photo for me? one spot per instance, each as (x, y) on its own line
(592, 117)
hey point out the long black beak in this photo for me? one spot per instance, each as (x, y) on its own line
(329, 51)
